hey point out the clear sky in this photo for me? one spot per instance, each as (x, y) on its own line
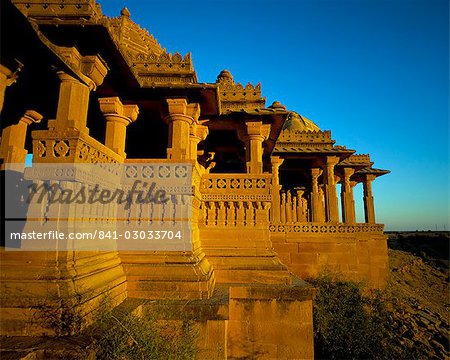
(375, 72)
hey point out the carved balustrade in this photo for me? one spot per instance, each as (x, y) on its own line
(233, 200)
(322, 228)
(71, 146)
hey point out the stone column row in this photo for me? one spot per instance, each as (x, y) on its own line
(324, 205)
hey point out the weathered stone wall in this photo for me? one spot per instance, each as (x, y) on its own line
(270, 322)
(354, 256)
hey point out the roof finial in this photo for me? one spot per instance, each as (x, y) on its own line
(125, 12)
(276, 105)
(225, 76)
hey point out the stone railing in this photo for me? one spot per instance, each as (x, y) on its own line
(249, 187)
(289, 206)
(309, 227)
(235, 200)
(71, 147)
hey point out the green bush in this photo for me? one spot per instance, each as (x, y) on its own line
(127, 336)
(350, 324)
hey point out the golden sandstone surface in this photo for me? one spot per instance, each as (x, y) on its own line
(264, 208)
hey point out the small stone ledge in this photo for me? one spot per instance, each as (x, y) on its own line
(299, 290)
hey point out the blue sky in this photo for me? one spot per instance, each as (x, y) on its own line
(375, 72)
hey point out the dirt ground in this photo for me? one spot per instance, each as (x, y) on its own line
(418, 290)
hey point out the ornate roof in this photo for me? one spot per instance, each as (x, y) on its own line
(301, 136)
(234, 96)
(151, 64)
(357, 160)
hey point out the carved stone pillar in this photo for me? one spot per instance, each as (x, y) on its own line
(197, 133)
(118, 117)
(73, 99)
(288, 206)
(72, 104)
(316, 214)
(180, 116)
(348, 203)
(12, 146)
(301, 206)
(276, 162)
(253, 136)
(369, 208)
(331, 199)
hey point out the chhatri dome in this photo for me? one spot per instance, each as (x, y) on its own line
(294, 120)
(298, 122)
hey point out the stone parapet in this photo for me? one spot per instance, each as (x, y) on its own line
(321, 228)
(70, 146)
(357, 256)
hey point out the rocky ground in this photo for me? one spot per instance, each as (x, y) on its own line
(418, 291)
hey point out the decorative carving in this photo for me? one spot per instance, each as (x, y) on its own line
(357, 159)
(325, 228)
(70, 146)
(55, 11)
(150, 63)
(94, 67)
(234, 96)
(305, 138)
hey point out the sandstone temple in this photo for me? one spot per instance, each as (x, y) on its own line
(77, 88)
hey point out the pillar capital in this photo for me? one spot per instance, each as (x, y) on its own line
(113, 109)
(197, 133)
(332, 160)
(316, 172)
(345, 175)
(276, 161)
(12, 145)
(181, 107)
(31, 117)
(92, 69)
(369, 178)
(347, 171)
(254, 130)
